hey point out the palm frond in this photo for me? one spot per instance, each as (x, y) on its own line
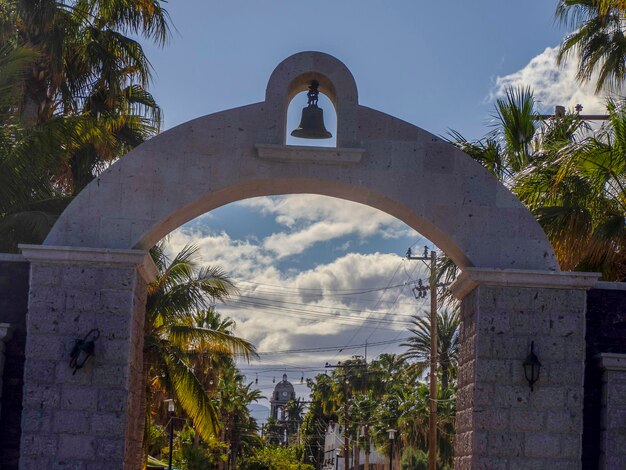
(192, 398)
(210, 339)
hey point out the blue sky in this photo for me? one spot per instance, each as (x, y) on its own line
(316, 272)
(431, 63)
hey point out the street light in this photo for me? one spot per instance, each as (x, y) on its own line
(170, 409)
(392, 436)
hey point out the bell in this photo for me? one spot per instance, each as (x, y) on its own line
(312, 122)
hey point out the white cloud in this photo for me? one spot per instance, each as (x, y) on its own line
(553, 85)
(286, 244)
(329, 303)
(240, 258)
(311, 219)
(281, 310)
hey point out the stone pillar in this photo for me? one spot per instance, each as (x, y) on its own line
(92, 419)
(5, 336)
(613, 434)
(500, 423)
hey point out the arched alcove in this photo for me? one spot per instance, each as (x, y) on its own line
(294, 113)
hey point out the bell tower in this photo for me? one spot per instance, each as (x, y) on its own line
(283, 392)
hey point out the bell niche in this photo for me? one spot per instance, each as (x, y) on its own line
(311, 119)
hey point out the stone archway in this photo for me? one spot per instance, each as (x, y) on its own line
(92, 272)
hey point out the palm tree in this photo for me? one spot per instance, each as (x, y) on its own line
(316, 420)
(578, 197)
(413, 416)
(172, 340)
(519, 137)
(247, 429)
(598, 39)
(27, 194)
(322, 392)
(84, 47)
(232, 398)
(387, 416)
(294, 410)
(570, 176)
(362, 410)
(418, 353)
(82, 103)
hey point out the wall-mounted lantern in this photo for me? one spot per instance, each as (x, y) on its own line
(83, 349)
(532, 367)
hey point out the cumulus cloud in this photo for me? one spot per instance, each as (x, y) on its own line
(241, 258)
(327, 304)
(372, 291)
(553, 85)
(311, 219)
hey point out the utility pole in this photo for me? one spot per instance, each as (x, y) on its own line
(420, 292)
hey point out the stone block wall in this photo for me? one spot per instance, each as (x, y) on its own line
(92, 419)
(500, 423)
(13, 305)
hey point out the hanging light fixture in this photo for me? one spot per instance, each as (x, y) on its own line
(312, 121)
(532, 367)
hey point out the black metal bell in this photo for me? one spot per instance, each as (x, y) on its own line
(312, 122)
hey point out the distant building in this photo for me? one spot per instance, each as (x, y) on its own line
(283, 392)
(333, 452)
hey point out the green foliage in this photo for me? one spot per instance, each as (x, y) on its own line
(383, 395)
(414, 459)
(569, 175)
(598, 40)
(274, 458)
(312, 429)
(187, 455)
(157, 438)
(73, 99)
(418, 352)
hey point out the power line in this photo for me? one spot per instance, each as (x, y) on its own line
(379, 299)
(312, 295)
(346, 319)
(309, 306)
(397, 297)
(390, 325)
(321, 289)
(329, 348)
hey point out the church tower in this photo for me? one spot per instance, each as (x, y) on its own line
(283, 392)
